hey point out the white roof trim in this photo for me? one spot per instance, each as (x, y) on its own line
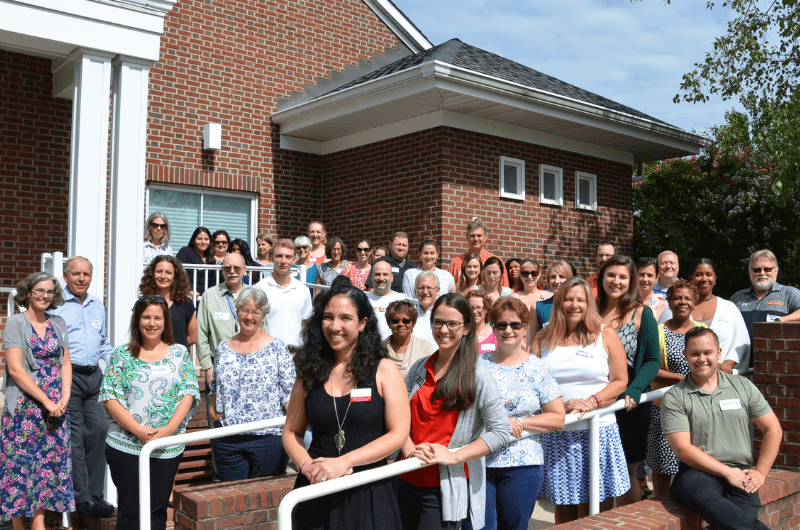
(400, 25)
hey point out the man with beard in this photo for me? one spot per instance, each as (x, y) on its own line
(766, 300)
(398, 260)
(382, 294)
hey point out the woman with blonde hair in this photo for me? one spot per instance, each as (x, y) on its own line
(558, 272)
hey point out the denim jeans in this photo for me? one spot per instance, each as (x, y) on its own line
(511, 494)
(246, 456)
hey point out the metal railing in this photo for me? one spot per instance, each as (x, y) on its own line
(371, 475)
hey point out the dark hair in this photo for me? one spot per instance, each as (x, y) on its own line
(518, 285)
(457, 389)
(507, 303)
(315, 358)
(332, 243)
(680, 284)
(244, 248)
(401, 306)
(702, 261)
(556, 329)
(462, 278)
(631, 299)
(494, 260)
(431, 243)
(141, 305)
(197, 231)
(696, 332)
(341, 281)
(180, 289)
(380, 247)
(220, 233)
(23, 297)
(396, 235)
(644, 263)
(363, 240)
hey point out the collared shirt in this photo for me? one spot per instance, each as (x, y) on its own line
(399, 269)
(423, 329)
(151, 251)
(455, 265)
(86, 326)
(379, 305)
(780, 301)
(717, 422)
(216, 321)
(660, 291)
(446, 282)
(287, 308)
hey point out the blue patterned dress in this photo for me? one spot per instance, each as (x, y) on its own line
(35, 454)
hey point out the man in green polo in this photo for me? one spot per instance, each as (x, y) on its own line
(706, 419)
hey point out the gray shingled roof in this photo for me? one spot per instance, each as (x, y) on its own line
(457, 53)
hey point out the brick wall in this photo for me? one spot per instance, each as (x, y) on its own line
(229, 63)
(34, 165)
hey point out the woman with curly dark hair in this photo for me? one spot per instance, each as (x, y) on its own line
(165, 276)
(355, 401)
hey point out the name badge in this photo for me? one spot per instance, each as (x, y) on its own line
(395, 270)
(773, 318)
(96, 324)
(360, 394)
(161, 369)
(221, 315)
(730, 404)
(488, 347)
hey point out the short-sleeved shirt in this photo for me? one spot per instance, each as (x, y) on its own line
(779, 301)
(524, 387)
(150, 392)
(399, 269)
(719, 422)
(287, 309)
(379, 305)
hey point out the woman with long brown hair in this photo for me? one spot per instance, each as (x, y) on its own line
(471, 276)
(527, 286)
(166, 277)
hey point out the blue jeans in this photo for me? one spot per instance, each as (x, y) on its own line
(511, 494)
(244, 456)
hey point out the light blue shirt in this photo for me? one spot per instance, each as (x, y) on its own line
(86, 327)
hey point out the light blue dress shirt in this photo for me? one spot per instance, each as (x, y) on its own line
(86, 326)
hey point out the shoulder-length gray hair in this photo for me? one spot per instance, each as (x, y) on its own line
(24, 288)
(167, 229)
(252, 294)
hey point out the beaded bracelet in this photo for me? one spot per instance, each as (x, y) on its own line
(599, 401)
(303, 467)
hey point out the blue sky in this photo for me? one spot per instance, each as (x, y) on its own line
(631, 52)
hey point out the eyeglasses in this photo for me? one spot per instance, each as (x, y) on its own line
(41, 292)
(237, 270)
(525, 274)
(405, 321)
(452, 325)
(766, 270)
(221, 243)
(148, 298)
(246, 313)
(425, 288)
(477, 309)
(363, 249)
(500, 326)
(160, 226)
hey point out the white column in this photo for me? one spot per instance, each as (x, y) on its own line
(126, 204)
(89, 161)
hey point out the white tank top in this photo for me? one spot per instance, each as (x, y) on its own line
(580, 372)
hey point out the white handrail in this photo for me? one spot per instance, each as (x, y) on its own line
(371, 475)
(10, 305)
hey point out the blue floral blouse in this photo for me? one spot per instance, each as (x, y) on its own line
(525, 388)
(253, 386)
(151, 393)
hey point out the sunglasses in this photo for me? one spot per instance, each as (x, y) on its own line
(363, 249)
(405, 321)
(148, 298)
(500, 326)
(162, 226)
(525, 274)
(237, 270)
(221, 243)
(766, 270)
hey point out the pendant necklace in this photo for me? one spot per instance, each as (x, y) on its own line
(339, 439)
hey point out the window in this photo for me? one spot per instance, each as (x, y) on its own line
(189, 208)
(512, 178)
(585, 191)
(551, 185)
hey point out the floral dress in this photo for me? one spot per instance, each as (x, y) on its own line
(35, 454)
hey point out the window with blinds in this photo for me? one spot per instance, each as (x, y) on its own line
(188, 208)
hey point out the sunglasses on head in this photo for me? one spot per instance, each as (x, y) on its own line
(147, 298)
(525, 274)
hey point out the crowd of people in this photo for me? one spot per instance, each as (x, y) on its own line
(383, 359)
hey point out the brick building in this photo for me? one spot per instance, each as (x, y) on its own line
(339, 111)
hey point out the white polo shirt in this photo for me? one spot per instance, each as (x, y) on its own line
(379, 305)
(287, 309)
(423, 329)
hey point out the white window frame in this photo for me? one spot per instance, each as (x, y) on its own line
(207, 191)
(580, 175)
(520, 165)
(559, 200)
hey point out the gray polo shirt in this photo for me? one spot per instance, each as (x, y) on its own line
(779, 301)
(719, 423)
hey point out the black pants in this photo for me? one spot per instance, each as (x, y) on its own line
(721, 505)
(88, 429)
(125, 474)
(421, 508)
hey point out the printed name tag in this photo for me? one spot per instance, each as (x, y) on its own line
(221, 315)
(395, 270)
(97, 324)
(161, 369)
(488, 347)
(360, 394)
(773, 318)
(778, 303)
(730, 404)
